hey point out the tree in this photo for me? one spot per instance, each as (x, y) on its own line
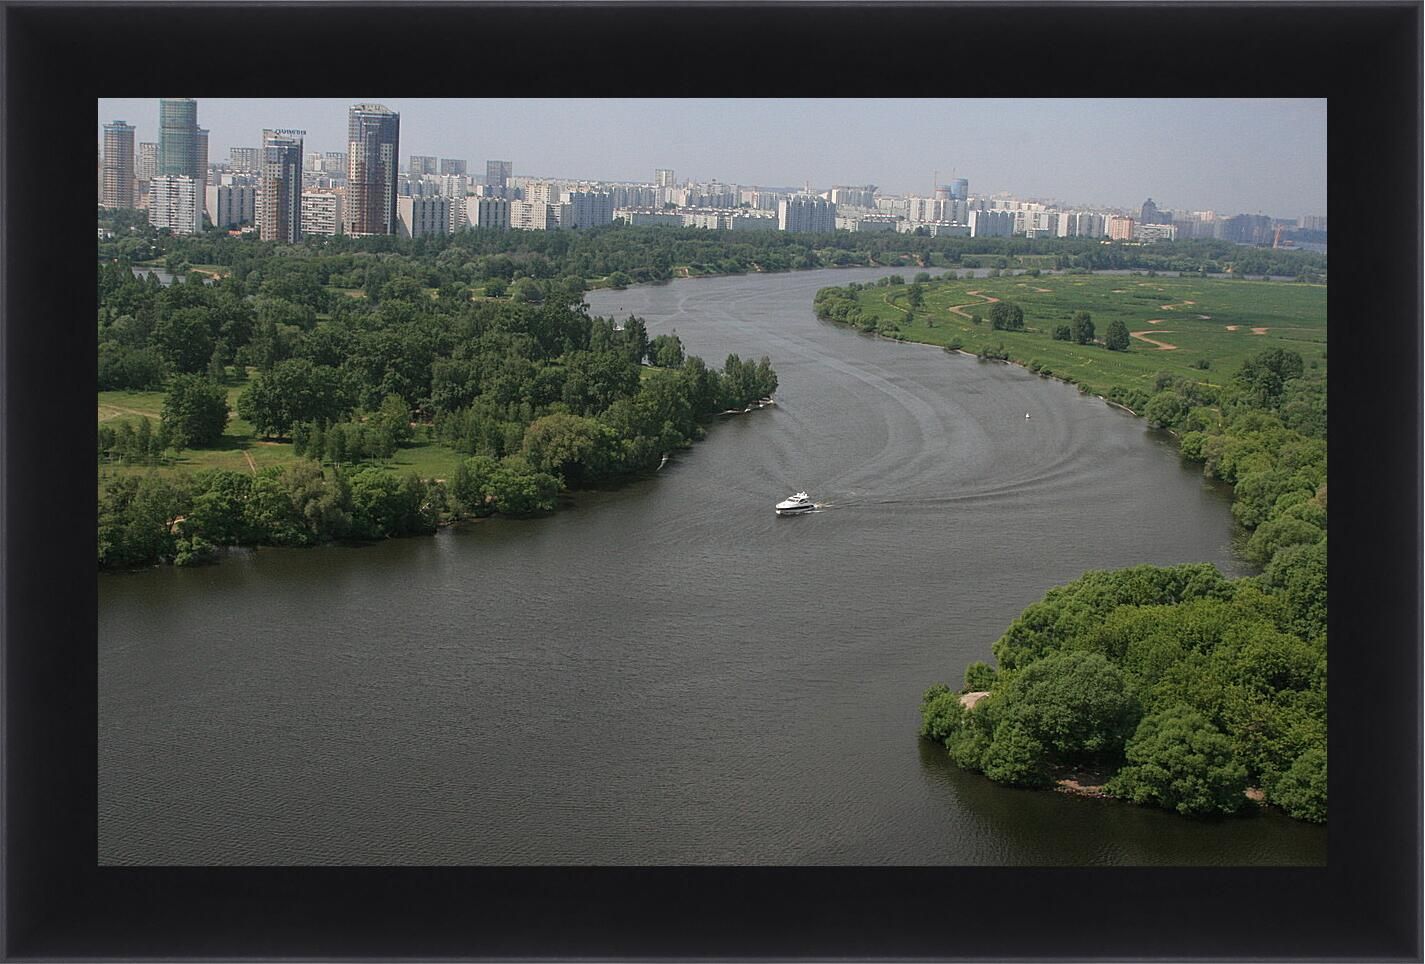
(195, 411)
(1178, 760)
(570, 446)
(1082, 325)
(1301, 791)
(1063, 333)
(666, 351)
(979, 677)
(293, 391)
(185, 339)
(1076, 705)
(1006, 316)
(915, 295)
(940, 713)
(1265, 375)
(1015, 756)
(1117, 337)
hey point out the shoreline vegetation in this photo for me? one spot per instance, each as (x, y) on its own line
(471, 363)
(1169, 686)
(318, 349)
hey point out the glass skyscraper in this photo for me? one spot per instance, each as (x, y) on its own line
(178, 146)
(373, 140)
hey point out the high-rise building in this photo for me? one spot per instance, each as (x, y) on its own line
(1120, 228)
(200, 160)
(178, 148)
(960, 189)
(1151, 231)
(589, 209)
(991, 224)
(423, 164)
(497, 174)
(118, 167)
(807, 215)
(244, 158)
(663, 177)
(230, 205)
(321, 213)
(279, 186)
(488, 212)
(452, 165)
(147, 166)
(1149, 214)
(334, 164)
(373, 139)
(418, 217)
(174, 203)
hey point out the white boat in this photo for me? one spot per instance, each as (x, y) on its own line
(801, 502)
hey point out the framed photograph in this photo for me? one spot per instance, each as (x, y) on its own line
(795, 481)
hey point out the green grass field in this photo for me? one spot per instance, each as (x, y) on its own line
(241, 450)
(1218, 320)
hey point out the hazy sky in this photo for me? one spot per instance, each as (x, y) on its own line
(1228, 156)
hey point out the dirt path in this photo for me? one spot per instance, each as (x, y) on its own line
(1175, 307)
(107, 413)
(1231, 327)
(1162, 345)
(1155, 321)
(250, 463)
(1259, 331)
(972, 304)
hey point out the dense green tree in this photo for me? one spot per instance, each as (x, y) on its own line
(195, 411)
(293, 391)
(1265, 375)
(1063, 333)
(979, 676)
(1077, 705)
(940, 713)
(1006, 316)
(1082, 325)
(1301, 791)
(1117, 337)
(184, 339)
(573, 447)
(1178, 760)
(666, 351)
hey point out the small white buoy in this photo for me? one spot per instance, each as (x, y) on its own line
(1026, 414)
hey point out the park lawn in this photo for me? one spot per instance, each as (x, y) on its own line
(241, 450)
(1168, 310)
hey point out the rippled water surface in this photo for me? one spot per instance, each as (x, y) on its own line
(667, 673)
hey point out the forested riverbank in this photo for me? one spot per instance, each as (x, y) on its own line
(516, 400)
(1171, 686)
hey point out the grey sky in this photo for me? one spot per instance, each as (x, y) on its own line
(1228, 156)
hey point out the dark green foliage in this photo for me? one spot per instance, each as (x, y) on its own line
(1178, 760)
(1063, 333)
(1015, 756)
(979, 676)
(1076, 706)
(294, 391)
(1117, 337)
(1265, 375)
(940, 713)
(666, 351)
(1301, 791)
(1082, 325)
(1006, 316)
(195, 411)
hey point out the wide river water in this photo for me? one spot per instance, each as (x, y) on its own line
(668, 673)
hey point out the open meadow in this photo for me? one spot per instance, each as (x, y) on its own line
(1175, 323)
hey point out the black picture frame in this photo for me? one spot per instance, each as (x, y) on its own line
(1364, 905)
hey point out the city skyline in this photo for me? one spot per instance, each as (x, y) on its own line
(1229, 156)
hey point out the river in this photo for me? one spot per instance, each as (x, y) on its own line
(666, 672)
